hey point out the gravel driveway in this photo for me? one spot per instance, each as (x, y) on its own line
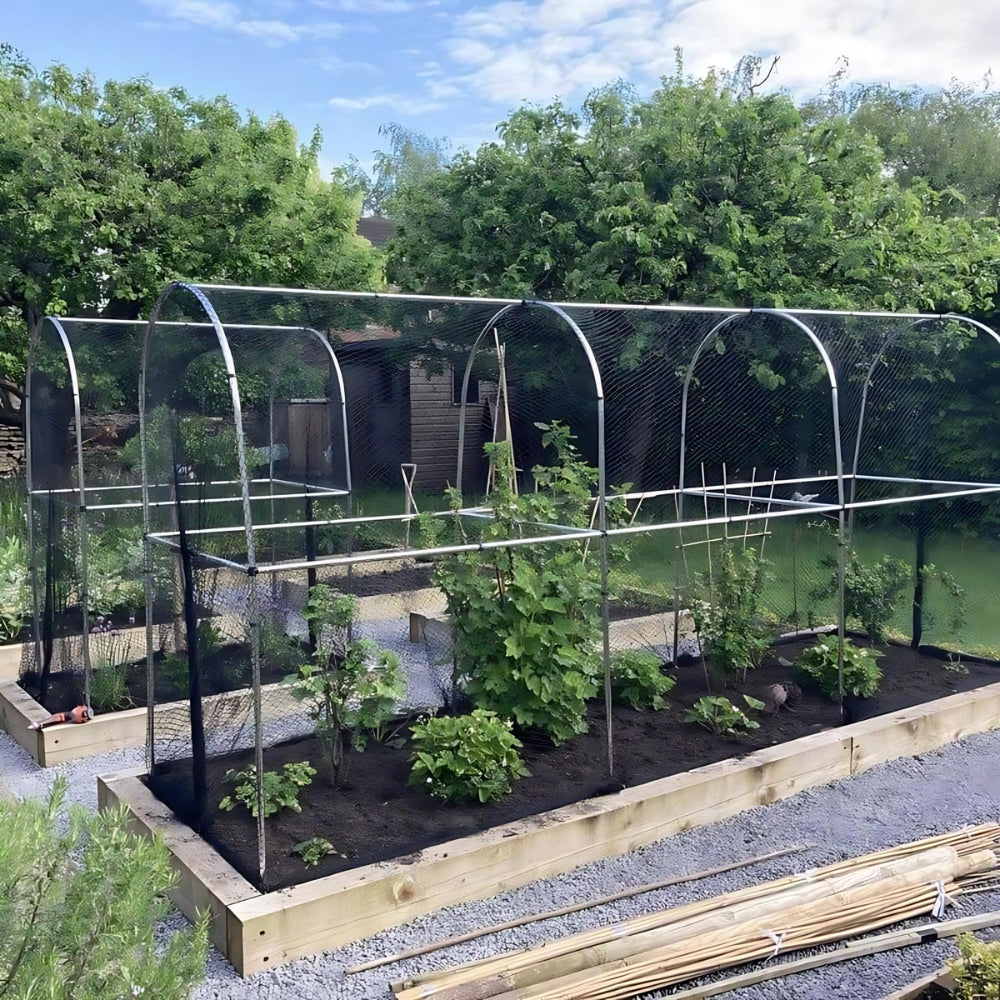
(890, 804)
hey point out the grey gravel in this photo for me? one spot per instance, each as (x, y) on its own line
(890, 804)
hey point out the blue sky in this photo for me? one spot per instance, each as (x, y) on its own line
(454, 69)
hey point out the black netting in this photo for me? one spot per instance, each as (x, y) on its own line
(304, 443)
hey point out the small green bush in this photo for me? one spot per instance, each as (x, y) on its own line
(730, 616)
(977, 969)
(466, 757)
(720, 716)
(818, 665)
(109, 687)
(79, 910)
(636, 679)
(15, 595)
(348, 684)
(281, 789)
(871, 591)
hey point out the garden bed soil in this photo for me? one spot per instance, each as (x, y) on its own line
(377, 816)
(229, 670)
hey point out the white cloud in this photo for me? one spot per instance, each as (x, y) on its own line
(513, 50)
(224, 16)
(404, 105)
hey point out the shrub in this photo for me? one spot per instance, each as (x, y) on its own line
(466, 757)
(526, 619)
(109, 678)
(80, 909)
(720, 716)
(348, 684)
(977, 969)
(281, 789)
(819, 665)
(636, 679)
(729, 617)
(871, 591)
(15, 595)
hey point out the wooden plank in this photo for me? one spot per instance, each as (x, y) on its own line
(205, 881)
(10, 661)
(942, 977)
(114, 730)
(924, 727)
(18, 710)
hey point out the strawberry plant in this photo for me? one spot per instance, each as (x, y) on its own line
(466, 757)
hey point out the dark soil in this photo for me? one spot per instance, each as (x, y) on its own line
(227, 670)
(377, 816)
(935, 992)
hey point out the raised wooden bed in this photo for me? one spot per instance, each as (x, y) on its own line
(10, 661)
(115, 730)
(259, 931)
(127, 728)
(942, 978)
(641, 632)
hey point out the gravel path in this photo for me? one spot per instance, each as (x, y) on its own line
(888, 805)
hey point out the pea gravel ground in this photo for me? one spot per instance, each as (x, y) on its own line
(890, 804)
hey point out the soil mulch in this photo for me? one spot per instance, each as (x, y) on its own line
(228, 670)
(378, 816)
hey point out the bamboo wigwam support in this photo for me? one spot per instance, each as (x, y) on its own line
(672, 946)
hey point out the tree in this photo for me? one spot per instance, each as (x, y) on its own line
(412, 158)
(948, 138)
(707, 192)
(107, 193)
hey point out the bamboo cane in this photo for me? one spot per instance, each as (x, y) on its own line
(672, 955)
(561, 911)
(507, 969)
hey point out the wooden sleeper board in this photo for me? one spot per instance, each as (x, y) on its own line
(261, 930)
(104, 733)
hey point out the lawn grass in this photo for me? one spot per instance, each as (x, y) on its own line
(795, 552)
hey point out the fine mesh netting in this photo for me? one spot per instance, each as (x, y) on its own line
(85, 503)
(303, 443)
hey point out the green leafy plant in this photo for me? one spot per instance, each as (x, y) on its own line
(349, 684)
(280, 788)
(955, 665)
(466, 757)
(526, 619)
(115, 570)
(729, 616)
(15, 595)
(174, 668)
(818, 665)
(109, 687)
(313, 850)
(638, 680)
(720, 716)
(109, 678)
(277, 650)
(977, 969)
(82, 905)
(871, 591)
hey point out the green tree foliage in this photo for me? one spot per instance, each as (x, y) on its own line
(705, 192)
(79, 909)
(412, 158)
(946, 138)
(107, 192)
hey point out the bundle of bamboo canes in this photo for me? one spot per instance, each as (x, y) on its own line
(671, 946)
